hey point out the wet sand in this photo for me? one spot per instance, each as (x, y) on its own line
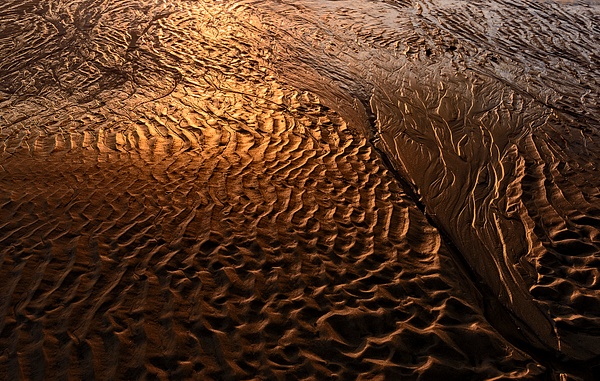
(299, 190)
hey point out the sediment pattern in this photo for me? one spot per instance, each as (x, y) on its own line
(489, 111)
(278, 257)
(299, 190)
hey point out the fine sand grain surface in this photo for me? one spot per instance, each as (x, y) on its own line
(299, 190)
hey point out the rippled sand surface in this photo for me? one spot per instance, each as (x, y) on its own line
(245, 190)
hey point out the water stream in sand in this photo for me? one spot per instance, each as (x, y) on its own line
(299, 189)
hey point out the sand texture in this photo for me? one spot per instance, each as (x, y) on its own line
(299, 190)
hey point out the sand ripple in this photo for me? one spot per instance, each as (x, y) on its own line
(191, 190)
(487, 111)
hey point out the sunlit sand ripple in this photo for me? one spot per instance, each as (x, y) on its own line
(236, 190)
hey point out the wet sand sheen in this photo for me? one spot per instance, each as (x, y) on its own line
(177, 201)
(477, 106)
(283, 250)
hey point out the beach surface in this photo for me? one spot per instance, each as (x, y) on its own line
(299, 190)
